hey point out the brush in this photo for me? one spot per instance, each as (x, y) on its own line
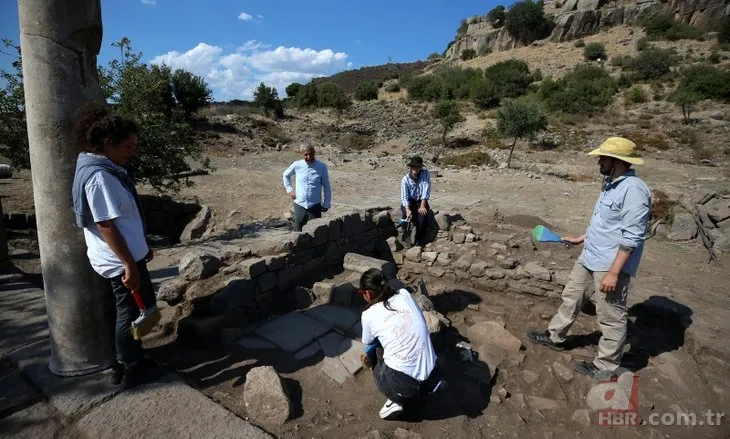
(148, 317)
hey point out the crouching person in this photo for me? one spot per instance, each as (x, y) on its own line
(408, 372)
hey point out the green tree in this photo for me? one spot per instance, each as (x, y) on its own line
(293, 89)
(266, 98)
(708, 82)
(586, 90)
(685, 99)
(519, 120)
(497, 16)
(331, 95)
(306, 97)
(526, 21)
(366, 91)
(512, 77)
(594, 51)
(191, 91)
(425, 88)
(448, 114)
(13, 131)
(651, 63)
(484, 94)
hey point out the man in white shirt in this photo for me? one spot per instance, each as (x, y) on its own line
(312, 178)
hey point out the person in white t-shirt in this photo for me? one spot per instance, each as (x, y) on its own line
(108, 209)
(394, 321)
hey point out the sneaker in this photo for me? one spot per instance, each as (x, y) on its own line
(390, 410)
(594, 372)
(543, 338)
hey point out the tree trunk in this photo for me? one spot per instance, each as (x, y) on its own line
(511, 150)
(60, 41)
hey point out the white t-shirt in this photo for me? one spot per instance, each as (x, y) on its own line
(109, 200)
(403, 333)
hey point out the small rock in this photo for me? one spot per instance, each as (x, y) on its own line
(172, 290)
(562, 371)
(458, 238)
(494, 273)
(444, 259)
(503, 393)
(198, 265)
(464, 263)
(508, 263)
(494, 399)
(413, 254)
(536, 270)
(529, 377)
(499, 246)
(470, 237)
(394, 244)
(197, 227)
(443, 221)
(434, 321)
(265, 397)
(429, 257)
(401, 433)
(582, 417)
(473, 306)
(493, 333)
(684, 227)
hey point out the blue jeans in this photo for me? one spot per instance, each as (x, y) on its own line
(416, 218)
(129, 350)
(302, 215)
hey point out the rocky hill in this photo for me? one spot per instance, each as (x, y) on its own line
(350, 79)
(575, 19)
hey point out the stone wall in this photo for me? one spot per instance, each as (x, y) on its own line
(218, 290)
(167, 217)
(19, 221)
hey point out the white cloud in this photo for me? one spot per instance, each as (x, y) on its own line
(235, 75)
(149, 2)
(245, 17)
(259, 15)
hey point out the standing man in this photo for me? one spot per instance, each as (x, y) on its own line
(311, 178)
(415, 191)
(612, 250)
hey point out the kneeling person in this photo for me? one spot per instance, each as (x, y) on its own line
(408, 370)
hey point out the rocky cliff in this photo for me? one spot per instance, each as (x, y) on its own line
(575, 19)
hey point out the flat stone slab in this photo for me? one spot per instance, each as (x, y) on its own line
(342, 356)
(336, 316)
(34, 422)
(15, 394)
(166, 409)
(255, 343)
(292, 331)
(308, 351)
(22, 316)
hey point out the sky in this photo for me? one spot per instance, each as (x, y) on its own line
(236, 44)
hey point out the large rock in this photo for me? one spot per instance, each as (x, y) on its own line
(413, 254)
(360, 264)
(394, 244)
(252, 267)
(537, 271)
(266, 399)
(684, 227)
(443, 221)
(435, 321)
(719, 210)
(197, 226)
(172, 290)
(319, 229)
(198, 265)
(492, 333)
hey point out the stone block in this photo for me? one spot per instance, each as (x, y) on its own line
(288, 278)
(470, 237)
(265, 397)
(493, 333)
(318, 229)
(198, 265)
(719, 210)
(464, 263)
(494, 273)
(436, 271)
(684, 227)
(335, 229)
(292, 331)
(458, 237)
(300, 257)
(538, 271)
(444, 259)
(360, 264)
(253, 267)
(266, 282)
(477, 268)
(412, 267)
(398, 258)
(429, 257)
(332, 257)
(287, 244)
(276, 262)
(319, 251)
(443, 221)
(703, 196)
(237, 293)
(323, 291)
(394, 244)
(343, 294)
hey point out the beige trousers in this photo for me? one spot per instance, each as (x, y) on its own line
(583, 285)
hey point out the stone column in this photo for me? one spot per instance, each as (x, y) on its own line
(59, 41)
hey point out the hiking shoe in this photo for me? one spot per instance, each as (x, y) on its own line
(594, 372)
(543, 338)
(390, 410)
(141, 372)
(117, 373)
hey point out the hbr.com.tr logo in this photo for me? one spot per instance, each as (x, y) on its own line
(617, 401)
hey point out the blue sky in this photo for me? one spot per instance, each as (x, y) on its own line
(236, 44)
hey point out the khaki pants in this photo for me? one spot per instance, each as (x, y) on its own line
(583, 285)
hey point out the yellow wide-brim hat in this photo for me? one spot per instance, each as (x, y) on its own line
(620, 148)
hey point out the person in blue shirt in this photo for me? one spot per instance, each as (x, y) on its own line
(612, 248)
(311, 179)
(415, 191)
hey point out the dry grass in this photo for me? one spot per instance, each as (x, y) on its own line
(467, 159)
(662, 207)
(647, 141)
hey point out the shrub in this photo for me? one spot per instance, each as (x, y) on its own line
(723, 31)
(484, 94)
(651, 64)
(434, 56)
(448, 114)
(331, 95)
(714, 58)
(642, 44)
(307, 95)
(425, 88)
(468, 54)
(366, 91)
(496, 17)
(708, 82)
(580, 43)
(519, 120)
(664, 27)
(594, 51)
(467, 159)
(357, 142)
(537, 75)
(526, 21)
(293, 89)
(512, 77)
(266, 97)
(457, 82)
(685, 99)
(635, 95)
(585, 90)
(485, 50)
(621, 61)
(393, 88)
